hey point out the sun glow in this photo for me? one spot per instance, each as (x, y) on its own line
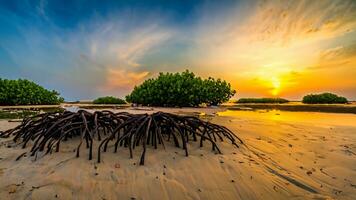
(276, 84)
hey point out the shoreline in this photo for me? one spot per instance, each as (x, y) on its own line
(293, 107)
(296, 107)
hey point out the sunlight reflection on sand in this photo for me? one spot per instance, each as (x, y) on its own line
(296, 117)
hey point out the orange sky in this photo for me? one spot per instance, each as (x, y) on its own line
(285, 50)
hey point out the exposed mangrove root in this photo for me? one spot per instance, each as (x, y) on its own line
(46, 131)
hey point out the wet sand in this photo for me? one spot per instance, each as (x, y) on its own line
(288, 155)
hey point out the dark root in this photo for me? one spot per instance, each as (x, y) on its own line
(48, 130)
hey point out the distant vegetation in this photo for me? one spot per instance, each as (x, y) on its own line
(324, 98)
(109, 100)
(262, 100)
(25, 92)
(181, 89)
(18, 114)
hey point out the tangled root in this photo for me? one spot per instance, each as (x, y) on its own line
(48, 130)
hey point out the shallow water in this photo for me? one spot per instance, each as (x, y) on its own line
(314, 118)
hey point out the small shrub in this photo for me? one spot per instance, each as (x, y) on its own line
(181, 89)
(109, 100)
(25, 92)
(262, 100)
(324, 98)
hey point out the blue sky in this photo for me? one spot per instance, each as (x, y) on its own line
(86, 49)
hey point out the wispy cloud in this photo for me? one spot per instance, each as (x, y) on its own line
(117, 49)
(336, 57)
(102, 56)
(41, 9)
(288, 22)
(122, 80)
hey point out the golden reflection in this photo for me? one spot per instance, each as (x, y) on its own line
(312, 118)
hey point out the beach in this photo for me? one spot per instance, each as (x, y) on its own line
(286, 155)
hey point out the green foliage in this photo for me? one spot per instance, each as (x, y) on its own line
(109, 100)
(181, 89)
(324, 98)
(25, 92)
(8, 114)
(262, 100)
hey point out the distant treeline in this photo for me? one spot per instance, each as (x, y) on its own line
(109, 100)
(170, 89)
(324, 98)
(262, 100)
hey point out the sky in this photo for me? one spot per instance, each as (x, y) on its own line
(86, 49)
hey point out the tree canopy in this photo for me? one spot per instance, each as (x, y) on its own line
(324, 98)
(181, 89)
(109, 100)
(25, 92)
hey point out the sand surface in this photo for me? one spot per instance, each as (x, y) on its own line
(288, 155)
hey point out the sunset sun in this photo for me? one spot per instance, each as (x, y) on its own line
(276, 85)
